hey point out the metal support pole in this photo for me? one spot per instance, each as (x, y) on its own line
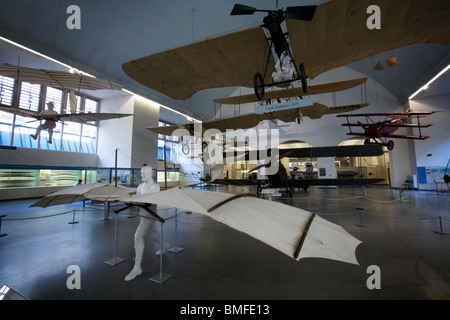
(116, 260)
(73, 218)
(360, 224)
(2, 234)
(176, 249)
(161, 277)
(441, 231)
(106, 216)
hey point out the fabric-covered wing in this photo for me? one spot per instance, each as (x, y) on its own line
(87, 117)
(294, 92)
(293, 231)
(222, 61)
(251, 120)
(21, 112)
(338, 34)
(57, 78)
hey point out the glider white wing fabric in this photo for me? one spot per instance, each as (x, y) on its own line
(276, 224)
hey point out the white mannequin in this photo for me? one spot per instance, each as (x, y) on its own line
(145, 224)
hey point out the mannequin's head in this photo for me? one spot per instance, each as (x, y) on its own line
(146, 174)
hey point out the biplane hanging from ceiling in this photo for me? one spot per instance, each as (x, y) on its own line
(378, 131)
(313, 111)
(294, 92)
(336, 36)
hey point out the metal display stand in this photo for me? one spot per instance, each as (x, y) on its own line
(2, 234)
(116, 260)
(161, 277)
(73, 219)
(175, 249)
(105, 212)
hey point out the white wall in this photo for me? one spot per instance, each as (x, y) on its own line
(144, 142)
(116, 133)
(435, 151)
(137, 145)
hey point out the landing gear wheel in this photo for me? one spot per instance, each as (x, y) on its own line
(258, 83)
(367, 141)
(390, 145)
(303, 78)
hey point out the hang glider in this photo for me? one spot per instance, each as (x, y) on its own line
(282, 179)
(74, 117)
(294, 92)
(336, 36)
(314, 111)
(376, 130)
(295, 232)
(57, 78)
(92, 191)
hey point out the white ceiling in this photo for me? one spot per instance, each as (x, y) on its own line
(116, 31)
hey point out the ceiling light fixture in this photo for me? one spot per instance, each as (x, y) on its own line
(425, 87)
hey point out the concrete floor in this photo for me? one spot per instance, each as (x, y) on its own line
(220, 263)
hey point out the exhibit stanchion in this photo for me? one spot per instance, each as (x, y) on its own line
(73, 218)
(116, 260)
(105, 212)
(1, 218)
(176, 249)
(441, 230)
(161, 277)
(360, 224)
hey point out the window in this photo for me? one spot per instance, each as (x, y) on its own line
(171, 144)
(29, 96)
(6, 90)
(67, 136)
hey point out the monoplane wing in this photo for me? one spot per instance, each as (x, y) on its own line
(89, 116)
(57, 78)
(222, 61)
(294, 92)
(314, 111)
(338, 34)
(21, 112)
(293, 231)
(74, 117)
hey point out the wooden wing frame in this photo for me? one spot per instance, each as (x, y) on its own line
(222, 61)
(338, 34)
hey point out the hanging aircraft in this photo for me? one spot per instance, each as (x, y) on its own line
(294, 92)
(375, 131)
(336, 36)
(62, 79)
(282, 180)
(284, 112)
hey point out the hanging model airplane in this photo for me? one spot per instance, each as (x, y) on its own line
(60, 79)
(376, 130)
(313, 111)
(282, 180)
(50, 117)
(336, 36)
(294, 92)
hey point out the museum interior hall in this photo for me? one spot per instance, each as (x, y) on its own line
(194, 151)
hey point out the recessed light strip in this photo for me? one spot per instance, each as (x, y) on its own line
(430, 82)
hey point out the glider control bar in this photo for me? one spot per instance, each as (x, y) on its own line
(302, 239)
(231, 199)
